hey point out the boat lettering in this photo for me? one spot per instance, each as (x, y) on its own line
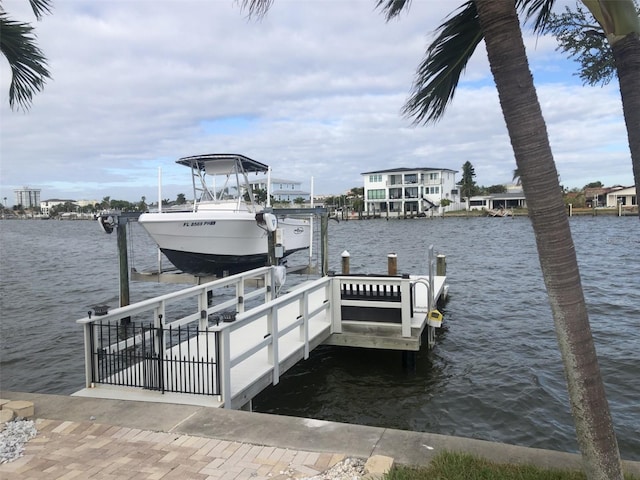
(198, 224)
(298, 230)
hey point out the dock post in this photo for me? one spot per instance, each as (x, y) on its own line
(345, 262)
(324, 243)
(392, 264)
(124, 264)
(271, 248)
(441, 265)
(409, 361)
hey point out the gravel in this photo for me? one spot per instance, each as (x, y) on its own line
(348, 469)
(12, 439)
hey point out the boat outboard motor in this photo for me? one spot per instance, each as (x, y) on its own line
(107, 223)
(268, 221)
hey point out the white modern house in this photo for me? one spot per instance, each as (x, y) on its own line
(499, 201)
(282, 190)
(625, 196)
(410, 191)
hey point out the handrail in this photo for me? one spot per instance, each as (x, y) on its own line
(148, 304)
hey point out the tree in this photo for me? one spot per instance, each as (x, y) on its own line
(298, 200)
(142, 204)
(467, 184)
(496, 189)
(579, 35)
(180, 199)
(619, 23)
(27, 62)
(597, 184)
(436, 80)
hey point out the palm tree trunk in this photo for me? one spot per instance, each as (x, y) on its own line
(626, 53)
(530, 142)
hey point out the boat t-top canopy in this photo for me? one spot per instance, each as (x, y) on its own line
(223, 163)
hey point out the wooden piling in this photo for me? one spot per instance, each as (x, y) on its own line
(324, 243)
(441, 265)
(123, 260)
(345, 262)
(392, 264)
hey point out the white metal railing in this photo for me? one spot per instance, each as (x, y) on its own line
(293, 311)
(292, 321)
(156, 309)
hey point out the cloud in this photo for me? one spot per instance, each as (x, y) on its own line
(312, 89)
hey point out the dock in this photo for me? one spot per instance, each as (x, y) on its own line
(221, 343)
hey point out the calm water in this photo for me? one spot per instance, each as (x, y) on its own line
(495, 373)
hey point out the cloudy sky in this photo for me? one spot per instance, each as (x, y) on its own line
(315, 89)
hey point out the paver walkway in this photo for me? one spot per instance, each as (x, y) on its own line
(94, 451)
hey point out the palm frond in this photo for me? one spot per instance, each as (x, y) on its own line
(256, 8)
(540, 9)
(392, 8)
(40, 7)
(27, 62)
(446, 58)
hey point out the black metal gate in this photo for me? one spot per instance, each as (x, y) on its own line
(181, 359)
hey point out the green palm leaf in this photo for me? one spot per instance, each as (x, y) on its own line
(446, 58)
(28, 64)
(40, 7)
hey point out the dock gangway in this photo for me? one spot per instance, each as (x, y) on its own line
(221, 343)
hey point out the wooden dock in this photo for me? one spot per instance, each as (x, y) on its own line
(222, 342)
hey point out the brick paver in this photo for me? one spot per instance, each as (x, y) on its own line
(93, 451)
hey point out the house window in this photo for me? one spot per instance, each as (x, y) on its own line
(375, 178)
(377, 194)
(434, 176)
(411, 178)
(434, 190)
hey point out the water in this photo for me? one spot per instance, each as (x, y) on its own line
(495, 373)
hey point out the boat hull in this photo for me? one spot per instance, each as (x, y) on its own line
(216, 242)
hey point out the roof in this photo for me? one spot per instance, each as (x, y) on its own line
(416, 169)
(222, 162)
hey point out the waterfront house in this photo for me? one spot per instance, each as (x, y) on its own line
(282, 190)
(498, 201)
(410, 191)
(625, 196)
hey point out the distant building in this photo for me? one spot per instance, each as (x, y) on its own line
(497, 201)
(402, 191)
(27, 197)
(282, 190)
(610, 196)
(47, 205)
(619, 195)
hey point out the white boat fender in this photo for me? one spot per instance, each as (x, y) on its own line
(268, 220)
(280, 275)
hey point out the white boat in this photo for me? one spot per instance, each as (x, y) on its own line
(225, 230)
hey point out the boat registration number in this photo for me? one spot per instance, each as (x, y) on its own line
(198, 224)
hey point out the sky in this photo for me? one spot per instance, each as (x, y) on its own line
(315, 90)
